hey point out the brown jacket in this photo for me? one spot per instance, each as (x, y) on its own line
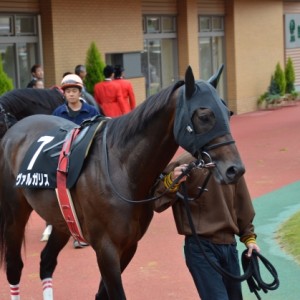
(218, 215)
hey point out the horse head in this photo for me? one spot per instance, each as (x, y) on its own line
(202, 127)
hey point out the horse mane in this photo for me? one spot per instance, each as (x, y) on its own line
(31, 100)
(124, 127)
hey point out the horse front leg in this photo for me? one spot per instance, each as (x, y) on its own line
(125, 260)
(111, 287)
(55, 244)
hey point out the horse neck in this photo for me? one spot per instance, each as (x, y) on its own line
(142, 142)
(162, 141)
(150, 151)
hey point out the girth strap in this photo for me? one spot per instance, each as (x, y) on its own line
(63, 194)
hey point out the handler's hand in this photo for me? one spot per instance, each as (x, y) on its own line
(178, 171)
(251, 247)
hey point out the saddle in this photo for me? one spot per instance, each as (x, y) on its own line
(39, 166)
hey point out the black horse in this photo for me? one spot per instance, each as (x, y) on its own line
(20, 103)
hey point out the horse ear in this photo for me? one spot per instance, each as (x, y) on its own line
(213, 80)
(189, 83)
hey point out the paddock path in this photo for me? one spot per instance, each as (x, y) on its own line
(269, 143)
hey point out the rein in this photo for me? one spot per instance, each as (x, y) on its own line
(106, 160)
(200, 164)
(196, 164)
(250, 265)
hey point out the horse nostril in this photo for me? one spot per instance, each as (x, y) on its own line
(233, 172)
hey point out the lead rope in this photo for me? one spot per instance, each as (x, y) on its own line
(250, 265)
(198, 163)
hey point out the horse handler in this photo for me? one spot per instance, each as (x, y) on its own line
(218, 215)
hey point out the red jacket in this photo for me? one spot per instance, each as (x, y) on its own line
(127, 91)
(108, 95)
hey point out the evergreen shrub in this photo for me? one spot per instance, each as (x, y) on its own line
(6, 83)
(94, 68)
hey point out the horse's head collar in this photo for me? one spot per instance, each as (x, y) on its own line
(195, 96)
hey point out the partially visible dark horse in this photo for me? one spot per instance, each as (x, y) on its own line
(20, 103)
(125, 159)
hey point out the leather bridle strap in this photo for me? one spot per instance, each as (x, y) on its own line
(214, 146)
(201, 188)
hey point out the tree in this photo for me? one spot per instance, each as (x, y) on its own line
(6, 83)
(274, 88)
(279, 79)
(94, 68)
(289, 77)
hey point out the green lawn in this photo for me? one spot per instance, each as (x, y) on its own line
(288, 236)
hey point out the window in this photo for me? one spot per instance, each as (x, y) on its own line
(25, 25)
(159, 60)
(153, 24)
(157, 24)
(211, 23)
(205, 24)
(217, 24)
(5, 25)
(19, 46)
(211, 48)
(168, 24)
(131, 62)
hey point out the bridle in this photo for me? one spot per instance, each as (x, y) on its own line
(217, 145)
(199, 164)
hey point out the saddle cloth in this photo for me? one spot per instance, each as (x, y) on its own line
(39, 166)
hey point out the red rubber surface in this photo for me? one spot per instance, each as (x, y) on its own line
(269, 143)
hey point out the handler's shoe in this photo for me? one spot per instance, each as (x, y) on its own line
(78, 245)
(46, 233)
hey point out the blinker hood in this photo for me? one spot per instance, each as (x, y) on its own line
(204, 96)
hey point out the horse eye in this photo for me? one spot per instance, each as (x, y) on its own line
(205, 115)
(204, 118)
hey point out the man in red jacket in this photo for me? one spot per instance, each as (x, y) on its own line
(126, 86)
(108, 95)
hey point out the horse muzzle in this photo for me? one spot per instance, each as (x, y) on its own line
(233, 173)
(224, 173)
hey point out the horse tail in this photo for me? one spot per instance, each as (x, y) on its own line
(5, 219)
(6, 213)
(3, 226)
